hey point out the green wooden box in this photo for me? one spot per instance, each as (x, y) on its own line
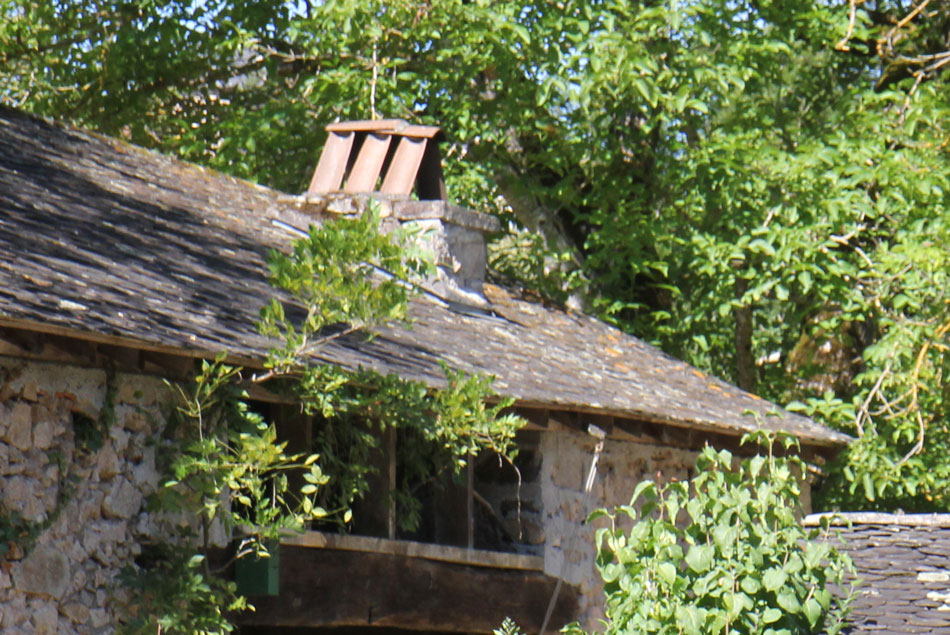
(259, 576)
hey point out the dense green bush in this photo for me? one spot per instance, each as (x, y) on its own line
(722, 553)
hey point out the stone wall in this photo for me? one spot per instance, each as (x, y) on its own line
(80, 493)
(567, 457)
(83, 494)
(543, 515)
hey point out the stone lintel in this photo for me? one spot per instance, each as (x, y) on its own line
(455, 214)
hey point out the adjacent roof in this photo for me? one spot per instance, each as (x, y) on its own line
(98, 237)
(903, 564)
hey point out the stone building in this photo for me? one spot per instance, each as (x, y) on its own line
(120, 268)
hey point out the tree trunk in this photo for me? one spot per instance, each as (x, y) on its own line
(745, 363)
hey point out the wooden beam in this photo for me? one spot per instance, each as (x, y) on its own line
(125, 358)
(537, 418)
(412, 549)
(373, 513)
(332, 588)
(170, 366)
(389, 443)
(564, 419)
(257, 392)
(76, 335)
(470, 501)
(635, 430)
(47, 347)
(44, 347)
(74, 345)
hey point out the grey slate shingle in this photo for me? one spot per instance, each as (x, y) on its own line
(98, 236)
(894, 554)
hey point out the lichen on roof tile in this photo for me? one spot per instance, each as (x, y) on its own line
(162, 252)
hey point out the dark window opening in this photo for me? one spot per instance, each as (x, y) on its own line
(485, 506)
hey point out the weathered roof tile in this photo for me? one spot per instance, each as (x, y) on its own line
(905, 588)
(101, 237)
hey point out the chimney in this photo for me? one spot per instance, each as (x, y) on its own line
(387, 157)
(399, 165)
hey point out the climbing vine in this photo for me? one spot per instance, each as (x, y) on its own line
(228, 473)
(18, 535)
(349, 277)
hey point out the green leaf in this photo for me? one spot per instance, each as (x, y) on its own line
(812, 610)
(759, 245)
(611, 572)
(750, 584)
(788, 602)
(646, 489)
(771, 615)
(690, 619)
(868, 486)
(699, 558)
(815, 552)
(666, 572)
(774, 579)
(736, 603)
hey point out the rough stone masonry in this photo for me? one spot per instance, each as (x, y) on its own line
(81, 499)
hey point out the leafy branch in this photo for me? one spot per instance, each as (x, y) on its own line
(334, 290)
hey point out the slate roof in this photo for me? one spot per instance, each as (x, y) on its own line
(903, 562)
(101, 237)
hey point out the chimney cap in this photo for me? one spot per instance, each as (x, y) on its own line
(387, 126)
(389, 156)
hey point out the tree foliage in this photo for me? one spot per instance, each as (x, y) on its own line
(759, 186)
